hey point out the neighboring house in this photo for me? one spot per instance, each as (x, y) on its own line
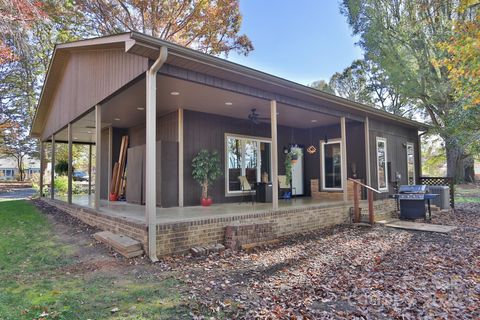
(477, 169)
(9, 168)
(98, 90)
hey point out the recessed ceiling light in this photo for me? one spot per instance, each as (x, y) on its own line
(117, 119)
(278, 113)
(141, 108)
(174, 93)
(75, 138)
(89, 132)
(228, 103)
(313, 120)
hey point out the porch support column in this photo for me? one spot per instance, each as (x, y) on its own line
(150, 163)
(89, 169)
(42, 164)
(180, 157)
(52, 170)
(344, 157)
(98, 154)
(70, 171)
(274, 155)
(367, 152)
(110, 156)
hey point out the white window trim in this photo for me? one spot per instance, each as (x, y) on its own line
(322, 164)
(237, 193)
(414, 165)
(384, 140)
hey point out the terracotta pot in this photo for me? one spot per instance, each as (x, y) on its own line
(294, 161)
(206, 202)
(112, 197)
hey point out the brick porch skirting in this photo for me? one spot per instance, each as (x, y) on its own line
(178, 237)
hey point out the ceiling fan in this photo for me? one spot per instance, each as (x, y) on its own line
(255, 117)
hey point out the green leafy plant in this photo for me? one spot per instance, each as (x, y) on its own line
(291, 156)
(206, 169)
(62, 168)
(61, 184)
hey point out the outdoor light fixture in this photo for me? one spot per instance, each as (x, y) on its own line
(313, 120)
(228, 103)
(174, 93)
(286, 150)
(117, 119)
(141, 108)
(325, 138)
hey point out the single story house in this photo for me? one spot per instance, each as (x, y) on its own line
(9, 168)
(172, 102)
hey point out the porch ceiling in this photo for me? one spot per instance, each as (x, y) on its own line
(124, 110)
(83, 130)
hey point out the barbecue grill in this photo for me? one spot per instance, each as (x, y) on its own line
(412, 202)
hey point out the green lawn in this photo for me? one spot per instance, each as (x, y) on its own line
(467, 195)
(33, 280)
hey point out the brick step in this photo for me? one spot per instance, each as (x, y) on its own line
(124, 245)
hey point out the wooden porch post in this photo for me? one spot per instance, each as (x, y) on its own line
(151, 164)
(368, 174)
(89, 169)
(52, 170)
(344, 157)
(70, 171)
(110, 159)
(42, 164)
(274, 155)
(180, 157)
(98, 154)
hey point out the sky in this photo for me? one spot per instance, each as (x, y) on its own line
(299, 40)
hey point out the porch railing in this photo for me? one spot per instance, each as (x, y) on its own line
(356, 201)
(441, 181)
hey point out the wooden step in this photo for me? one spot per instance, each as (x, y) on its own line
(124, 245)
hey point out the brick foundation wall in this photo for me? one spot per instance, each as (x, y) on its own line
(383, 209)
(101, 221)
(238, 235)
(177, 238)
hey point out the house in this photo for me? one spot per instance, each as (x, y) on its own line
(9, 168)
(172, 102)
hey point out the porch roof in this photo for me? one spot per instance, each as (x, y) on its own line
(192, 60)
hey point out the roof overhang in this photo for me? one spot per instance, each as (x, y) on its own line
(148, 46)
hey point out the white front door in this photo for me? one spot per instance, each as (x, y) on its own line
(297, 174)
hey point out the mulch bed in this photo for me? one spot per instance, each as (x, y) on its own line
(346, 272)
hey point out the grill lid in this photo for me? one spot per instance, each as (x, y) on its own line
(419, 188)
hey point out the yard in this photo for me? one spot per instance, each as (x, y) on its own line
(52, 268)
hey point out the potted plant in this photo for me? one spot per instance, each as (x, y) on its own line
(290, 159)
(206, 169)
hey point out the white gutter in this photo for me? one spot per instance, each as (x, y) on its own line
(150, 177)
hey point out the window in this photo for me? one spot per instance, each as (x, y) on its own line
(410, 163)
(382, 173)
(245, 156)
(331, 163)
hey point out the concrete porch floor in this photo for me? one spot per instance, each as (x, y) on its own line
(136, 213)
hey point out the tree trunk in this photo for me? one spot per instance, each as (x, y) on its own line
(458, 162)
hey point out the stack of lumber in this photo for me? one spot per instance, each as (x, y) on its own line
(117, 185)
(124, 245)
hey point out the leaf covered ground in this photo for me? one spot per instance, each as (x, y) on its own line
(54, 269)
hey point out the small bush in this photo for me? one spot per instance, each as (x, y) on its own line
(61, 184)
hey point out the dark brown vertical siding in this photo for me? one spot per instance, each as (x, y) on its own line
(88, 78)
(167, 130)
(397, 136)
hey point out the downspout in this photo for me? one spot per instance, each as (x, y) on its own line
(419, 142)
(151, 183)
